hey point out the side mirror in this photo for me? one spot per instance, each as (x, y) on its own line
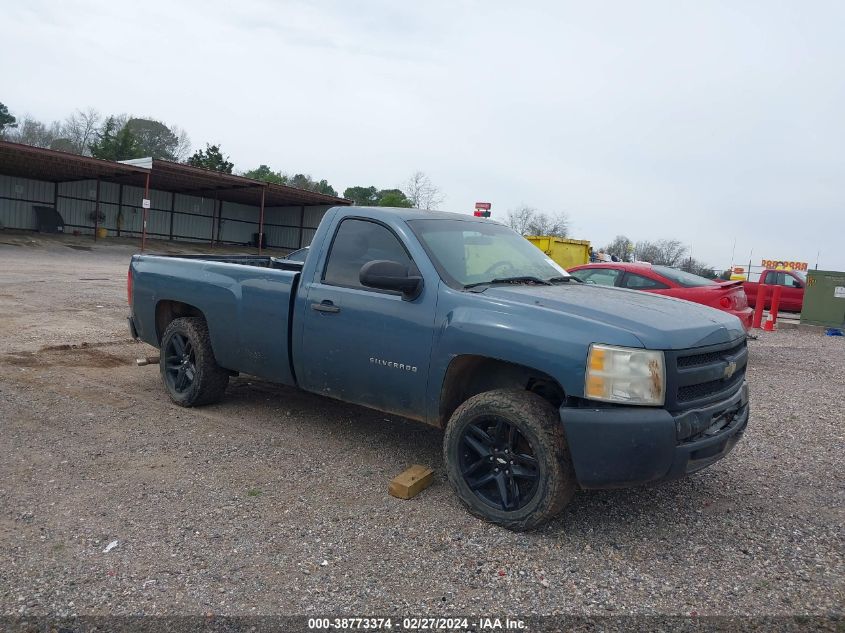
(387, 275)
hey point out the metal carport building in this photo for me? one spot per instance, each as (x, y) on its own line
(186, 203)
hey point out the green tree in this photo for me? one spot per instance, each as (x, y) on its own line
(393, 198)
(7, 121)
(305, 181)
(362, 196)
(301, 181)
(263, 172)
(159, 141)
(211, 158)
(324, 187)
(115, 142)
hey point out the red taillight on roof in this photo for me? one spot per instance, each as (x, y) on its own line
(129, 287)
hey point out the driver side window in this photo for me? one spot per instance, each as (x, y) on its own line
(356, 243)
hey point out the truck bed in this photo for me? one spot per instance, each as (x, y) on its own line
(247, 302)
(260, 261)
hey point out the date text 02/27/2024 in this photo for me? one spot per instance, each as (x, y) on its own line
(416, 624)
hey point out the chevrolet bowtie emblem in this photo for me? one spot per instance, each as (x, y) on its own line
(730, 369)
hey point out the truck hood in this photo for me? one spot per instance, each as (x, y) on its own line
(658, 322)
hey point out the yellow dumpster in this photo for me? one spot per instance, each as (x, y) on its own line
(562, 250)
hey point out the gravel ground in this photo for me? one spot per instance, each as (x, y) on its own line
(275, 501)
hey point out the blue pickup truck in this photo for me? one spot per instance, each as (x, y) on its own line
(542, 384)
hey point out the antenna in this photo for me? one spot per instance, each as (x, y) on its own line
(748, 274)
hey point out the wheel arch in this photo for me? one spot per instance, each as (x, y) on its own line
(468, 375)
(167, 310)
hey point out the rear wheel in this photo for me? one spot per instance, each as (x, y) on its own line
(507, 460)
(188, 368)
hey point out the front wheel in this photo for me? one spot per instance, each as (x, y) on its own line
(189, 370)
(507, 460)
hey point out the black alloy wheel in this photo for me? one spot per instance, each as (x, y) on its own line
(189, 370)
(507, 459)
(180, 363)
(498, 463)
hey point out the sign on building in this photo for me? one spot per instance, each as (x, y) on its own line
(778, 263)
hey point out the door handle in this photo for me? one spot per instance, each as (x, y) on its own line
(325, 306)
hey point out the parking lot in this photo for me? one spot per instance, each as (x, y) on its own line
(275, 501)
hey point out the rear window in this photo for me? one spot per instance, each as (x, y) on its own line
(683, 278)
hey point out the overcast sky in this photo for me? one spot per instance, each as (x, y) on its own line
(708, 122)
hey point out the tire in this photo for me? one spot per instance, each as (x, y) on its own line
(531, 427)
(189, 371)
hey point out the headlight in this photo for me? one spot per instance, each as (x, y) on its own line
(626, 375)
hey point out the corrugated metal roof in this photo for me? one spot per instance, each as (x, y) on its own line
(36, 163)
(54, 166)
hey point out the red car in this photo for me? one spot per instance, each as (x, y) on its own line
(671, 282)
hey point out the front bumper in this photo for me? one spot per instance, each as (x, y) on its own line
(617, 447)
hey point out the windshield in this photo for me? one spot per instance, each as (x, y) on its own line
(468, 253)
(684, 278)
(802, 276)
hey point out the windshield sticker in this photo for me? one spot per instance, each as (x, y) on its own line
(556, 266)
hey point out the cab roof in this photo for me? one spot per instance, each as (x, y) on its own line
(414, 214)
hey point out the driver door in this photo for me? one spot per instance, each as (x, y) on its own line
(792, 295)
(363, 345)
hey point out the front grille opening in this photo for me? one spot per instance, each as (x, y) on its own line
(709, 357)
(705, 389)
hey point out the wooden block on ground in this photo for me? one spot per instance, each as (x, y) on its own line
(411, 482)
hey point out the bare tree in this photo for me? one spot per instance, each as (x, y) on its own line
(692, 265)
(79, 130)
(621, 247)
(645, 251)
(671, 252)
(519, 219)
(183, 144)
(527, 220)
(423, 193)
(30, 131)
(661, 252)
(556, 224)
